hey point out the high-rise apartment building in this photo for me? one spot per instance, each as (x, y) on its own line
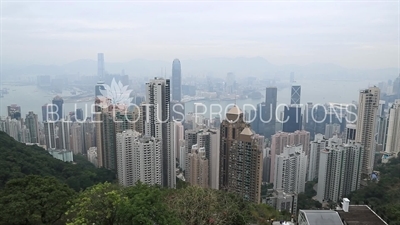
(245, 165)
(393, 133)
(25, 135)
(157, 125)
(290, 170)
(138, 159)
(77, 138)
(63, 135)
(92, 155)
(50, 134)
(32, 123)
(48, 111)
(350, 133)
(176, 80)
(110, 120)
(331, 130)
(281, 139)
(230, 129)
(58, 103)
(14, 111)
(209, 140)
(178, 135)
(316, 147)
(339, 170)
(197, 173)
(366, 121)
(13, 128)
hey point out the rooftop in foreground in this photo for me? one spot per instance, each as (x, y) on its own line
(319, 217)
(360, 215)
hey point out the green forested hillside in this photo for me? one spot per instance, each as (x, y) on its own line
(36, 189)
(18, 160)
(383, 196)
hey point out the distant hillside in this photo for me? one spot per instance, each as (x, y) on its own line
(18, 160)
(213, 66)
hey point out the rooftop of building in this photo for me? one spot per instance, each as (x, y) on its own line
(319, 217)
(247, 131)
(361, 215)
(234, 110)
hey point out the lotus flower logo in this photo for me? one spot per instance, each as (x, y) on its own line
(117, 93)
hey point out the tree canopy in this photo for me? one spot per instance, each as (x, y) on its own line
(383, 196)
(36, 189)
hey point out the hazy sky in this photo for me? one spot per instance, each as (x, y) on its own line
(353, 34)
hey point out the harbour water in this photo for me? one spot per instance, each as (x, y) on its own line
(31, 98)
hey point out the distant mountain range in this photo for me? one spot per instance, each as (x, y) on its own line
(214, 67)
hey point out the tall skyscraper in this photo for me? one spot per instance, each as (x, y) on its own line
(157, 125)
(316, 147)
(271, 99)
(230, 129)
(339, 170)
(309, 119)
(14, 111)
(198, 170)
(366, 121)
(100, 66)
(292, 119)
(393, 133)
(245, 165)
(295, 95)
(290, 170)
(176, 80)
(58, 103)
(281, 140)
(138, 159)
(32, 123)
(259, 118)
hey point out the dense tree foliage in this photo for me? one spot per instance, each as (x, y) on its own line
(18, 160)
(34, 200)
(37, 189)
(383, 196)
(305, 201)
(143, 204)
